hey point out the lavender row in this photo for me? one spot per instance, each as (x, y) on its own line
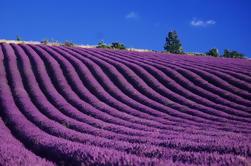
(55, 149)
(224, 62)
(12, 152)
(100, 75)
(182, 78)
(229, 83)
(87, 149)
(113, 71)
(51, 89)
(74, 99)
(84, 92)
(85, 152)
(37, 139)
(141, 72)
(225, 77)
(167, 81)
(204, 66)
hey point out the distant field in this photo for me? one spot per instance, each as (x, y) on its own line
(86, 106)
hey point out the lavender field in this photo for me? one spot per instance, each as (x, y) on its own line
(77, 106)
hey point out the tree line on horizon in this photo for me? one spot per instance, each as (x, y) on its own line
(172, 45)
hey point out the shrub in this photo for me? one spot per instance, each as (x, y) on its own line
(101, 44)
(114, 45)
(213, 52)
(232, 54)
(117, 45)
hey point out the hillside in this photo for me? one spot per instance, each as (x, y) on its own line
(87, 106)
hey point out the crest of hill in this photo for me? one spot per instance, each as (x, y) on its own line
(75, 45)
(197, 54)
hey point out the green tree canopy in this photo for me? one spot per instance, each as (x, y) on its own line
(102, 44)
(213, 52)
(173, 43)
(232, 54)
(114, 45)
(118, 45)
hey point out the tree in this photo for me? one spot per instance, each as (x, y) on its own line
(101, 44)
(213, 52)
(173, 43)
(232, 54)
(114, 45)
(117, 45)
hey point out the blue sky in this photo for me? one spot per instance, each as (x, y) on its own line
(201, 24)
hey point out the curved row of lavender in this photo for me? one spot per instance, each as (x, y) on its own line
(75, 106)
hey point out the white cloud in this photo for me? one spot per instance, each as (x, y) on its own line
(201, 23)
(132, 15)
